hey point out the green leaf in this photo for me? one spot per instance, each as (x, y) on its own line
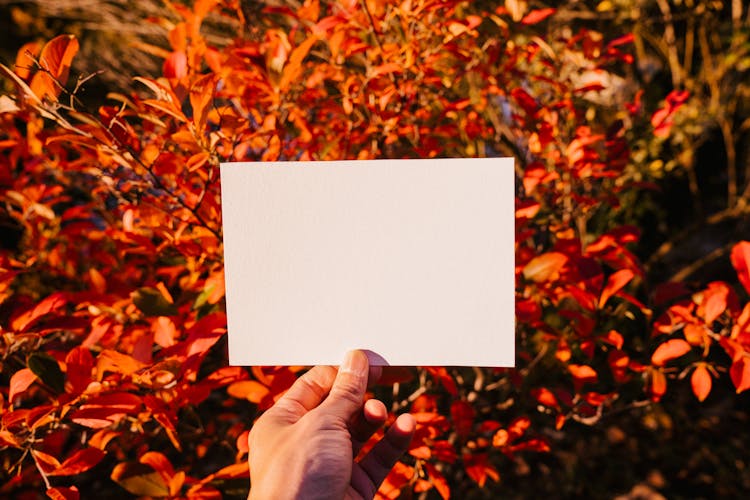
(151, 302)
(140, 479)
(47, 369)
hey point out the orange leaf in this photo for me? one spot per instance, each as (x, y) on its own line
(701, 382)
(159, 463)
(545, 267)
(293, 67)
(25, 59)
(201, 95)
(116, 362)
(55, 60)
(438, 481)
(658, 385)
(740, 258)
(384, 69)
(614, 284)
(399, 477)
(80, 461)
(165, 331)
(669, 350)
(19, 382)
(518, 428)
(251, 390)
(537, 16)
(583, 373)
(545, 397)
(714, 301)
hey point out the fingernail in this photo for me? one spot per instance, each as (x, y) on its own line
(355, 362)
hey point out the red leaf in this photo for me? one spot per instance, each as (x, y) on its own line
(525, 100)
(701, 382)
(19, 382)
(662, 119)
(629, 38)
(101, 411)
(740, 258)
(545, 397)
(446, 380)
(462, 414)
(79, 363)
(63, 493)
(479, 469)
(80, 461)
(669, 350)
(537, 16)
(614, 284)
(740, 374)
(46, 462)
(48, 305)
(175, 66)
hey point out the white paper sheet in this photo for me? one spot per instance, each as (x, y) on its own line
(410, 259)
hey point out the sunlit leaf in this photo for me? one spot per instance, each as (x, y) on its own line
(81, 461)
(740, 257)
(54, 61)
(700, 381)
(614, 284)
(545, 267)
(669, 350)
(537, 16)
(19, 382)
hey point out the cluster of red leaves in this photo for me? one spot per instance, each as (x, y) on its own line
(111, 296)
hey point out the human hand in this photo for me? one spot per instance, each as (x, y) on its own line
(305, 445)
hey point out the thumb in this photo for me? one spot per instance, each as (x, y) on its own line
(348, 391)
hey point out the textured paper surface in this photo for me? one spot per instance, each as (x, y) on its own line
(410, 259)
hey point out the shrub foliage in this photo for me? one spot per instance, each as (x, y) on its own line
(113, 371)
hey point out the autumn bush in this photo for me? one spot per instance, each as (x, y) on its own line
(114, 375)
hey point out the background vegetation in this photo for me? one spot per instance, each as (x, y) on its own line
(628, 120)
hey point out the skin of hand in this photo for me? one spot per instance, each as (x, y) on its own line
(305, 445)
